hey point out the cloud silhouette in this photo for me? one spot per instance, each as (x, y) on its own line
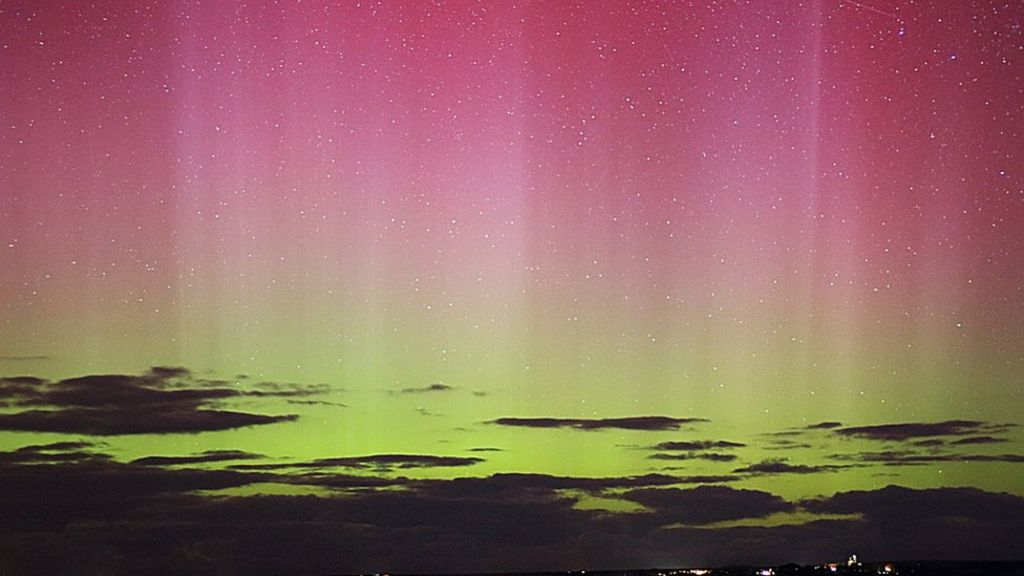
(781, 466)
(707, 504)
(206, 457)
(649, 423)
(436, 387)
(893, 522)
(707, 478)
(824, 425)
(913, 430)
(694, 450)
(898, 505)
(376, 462)
(697, 445)
(710, 456)
(161, 401)
(124, 421)
(979, 440)
(533, 485)
(785, 444)
(911, 458)
(54, 452)
(316, 403)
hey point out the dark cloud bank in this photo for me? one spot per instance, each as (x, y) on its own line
(164, 400)
(69, 508)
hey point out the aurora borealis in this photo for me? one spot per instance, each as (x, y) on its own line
(324, 287)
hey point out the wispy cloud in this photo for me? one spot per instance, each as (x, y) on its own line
(911, 458)
(436, 387)
(782, 466)
(376, 462)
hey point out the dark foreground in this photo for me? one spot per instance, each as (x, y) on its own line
(839, 568)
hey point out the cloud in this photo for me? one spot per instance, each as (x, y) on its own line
(15, 387)
(54, 452)
(376, 462)
(824, 425)
(57, 446)
(396, 461)
(707, 478)
(979, 440)
(693, 446)
(910, 458)
(164, 373)
(710, 456)
(99, 488)
(912, 430)
(122, 422)
(503, 485)
(201, 458)
(436, 387)
(110, 517)
(316, 403)
(649, 423)
(898, 505)
(285, 390)
(707, 504)
(694, 450)
(786, 444)
(161, 401)
(893, 522)
(781, 466)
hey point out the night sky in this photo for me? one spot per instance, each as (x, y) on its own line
(448, 286)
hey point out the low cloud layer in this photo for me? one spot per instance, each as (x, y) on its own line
(88, 513)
